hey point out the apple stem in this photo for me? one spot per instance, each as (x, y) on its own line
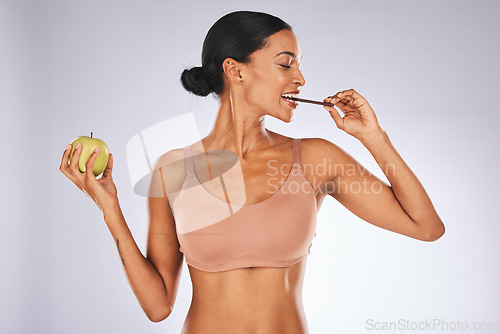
(91, 134)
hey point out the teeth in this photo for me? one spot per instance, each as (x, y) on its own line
(288, 96)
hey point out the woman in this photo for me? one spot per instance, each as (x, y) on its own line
(247, 267)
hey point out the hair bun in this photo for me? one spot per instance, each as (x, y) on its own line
(198, 80)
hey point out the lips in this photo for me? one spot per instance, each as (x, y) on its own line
(290, 102)
(288, 97)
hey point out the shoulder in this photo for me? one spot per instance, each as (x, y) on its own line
(322, 159)
(168, 158)
(168, 174)
(318, 148)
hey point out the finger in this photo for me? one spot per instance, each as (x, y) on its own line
(340, 99)
(332, 98)
(350, 92)
(109, 167)
(65, 157)
(64, 162)
(354, 98)
(336, 116)
(73, 164)
(340, 103)
(64, 167)
(89, 166)
(346, 102)
(345, 98)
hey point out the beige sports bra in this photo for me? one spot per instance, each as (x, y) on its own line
(215, 235)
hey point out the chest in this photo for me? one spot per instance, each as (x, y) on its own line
(243, 183)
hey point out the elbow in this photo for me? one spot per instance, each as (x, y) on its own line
(434, 234)
(159, 314)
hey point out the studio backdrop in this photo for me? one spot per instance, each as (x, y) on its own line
(429, 69)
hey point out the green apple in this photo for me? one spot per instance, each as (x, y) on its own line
(89, 144)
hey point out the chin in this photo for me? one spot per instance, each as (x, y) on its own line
(287, 117)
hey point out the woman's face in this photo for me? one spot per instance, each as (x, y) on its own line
(274, 71)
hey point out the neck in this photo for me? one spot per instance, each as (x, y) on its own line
(238, 127)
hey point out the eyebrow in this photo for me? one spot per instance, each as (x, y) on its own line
(287, 53)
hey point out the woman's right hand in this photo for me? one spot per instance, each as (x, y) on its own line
(102, 191)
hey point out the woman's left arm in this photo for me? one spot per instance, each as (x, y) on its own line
(406, 200)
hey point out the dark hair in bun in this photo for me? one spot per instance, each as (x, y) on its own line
(236, 35)
(200, 80)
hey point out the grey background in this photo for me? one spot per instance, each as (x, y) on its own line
(430, 70)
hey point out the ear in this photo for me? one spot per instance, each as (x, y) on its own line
(232, 70)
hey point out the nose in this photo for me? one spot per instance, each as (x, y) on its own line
(299, 78)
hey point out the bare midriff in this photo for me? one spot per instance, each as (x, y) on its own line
(247, 300)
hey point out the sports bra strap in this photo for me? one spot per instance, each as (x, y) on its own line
(297, 151)
(188, 160)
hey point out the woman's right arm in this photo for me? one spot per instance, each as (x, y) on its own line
(154, 280)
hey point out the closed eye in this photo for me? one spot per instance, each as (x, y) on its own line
(286, 66)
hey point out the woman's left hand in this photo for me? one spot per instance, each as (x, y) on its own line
(359, 118)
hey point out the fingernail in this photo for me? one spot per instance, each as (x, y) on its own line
(68, 147)
(97, 149)
(78, 146)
